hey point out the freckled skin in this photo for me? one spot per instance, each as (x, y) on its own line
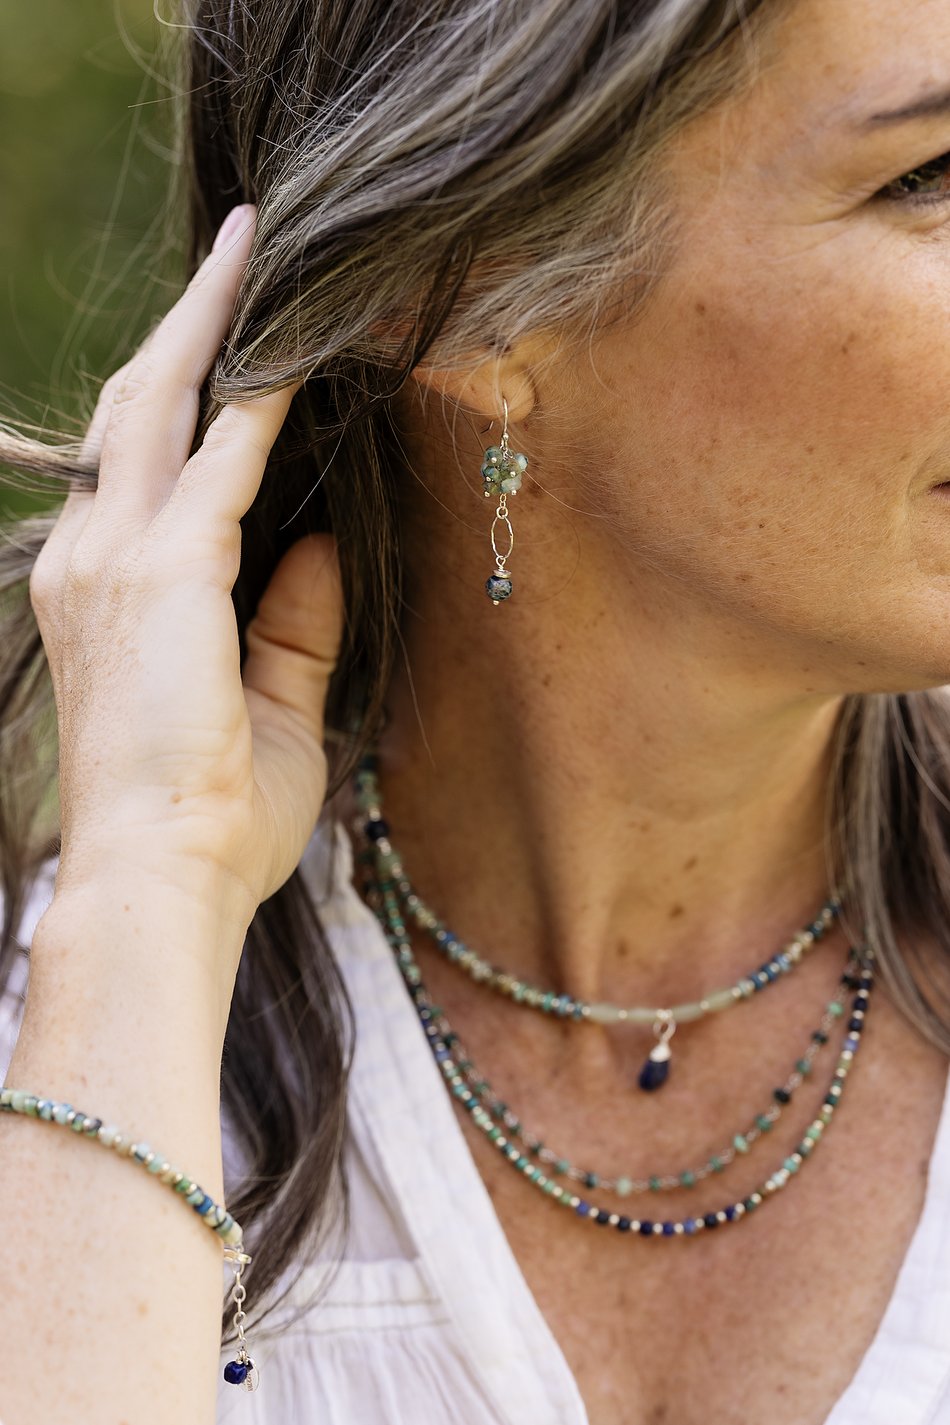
(614, 783)
(725, 526)
(776, 408)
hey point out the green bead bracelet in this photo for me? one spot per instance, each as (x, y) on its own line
(241, 1371)
(216, 1217)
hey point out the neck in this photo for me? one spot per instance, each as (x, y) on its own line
(603, 809)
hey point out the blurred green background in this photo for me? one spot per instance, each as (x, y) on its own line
(83, 175)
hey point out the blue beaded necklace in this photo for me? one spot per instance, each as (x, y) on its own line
(501, 1126)
(473, 1091)
(664, 1018)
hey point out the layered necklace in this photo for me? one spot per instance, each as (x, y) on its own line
(390, 894)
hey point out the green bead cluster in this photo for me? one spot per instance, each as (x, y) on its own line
(502, 470)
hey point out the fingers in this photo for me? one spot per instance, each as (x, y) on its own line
(142, 430)
(47, 574)
(200, 521)
(152, 421)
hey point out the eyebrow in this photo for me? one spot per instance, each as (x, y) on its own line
(928, 107)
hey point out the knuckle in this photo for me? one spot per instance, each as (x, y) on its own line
(233, 428)
(124, 378)
(44, 583)
(134, 379)
(123, 409)
(84, 569)
(146, 388)
(113, 382)
(191, 541)
(92, 441)
(46, 576)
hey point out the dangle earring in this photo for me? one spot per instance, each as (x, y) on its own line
(502, 469)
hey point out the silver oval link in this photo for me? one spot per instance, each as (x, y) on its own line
(501, 517)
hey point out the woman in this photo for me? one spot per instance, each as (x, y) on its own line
(677, 737)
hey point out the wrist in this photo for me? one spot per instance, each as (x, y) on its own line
(126, 1021)
(150, 874)
(165, 941)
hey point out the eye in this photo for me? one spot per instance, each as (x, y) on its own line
(936, 171)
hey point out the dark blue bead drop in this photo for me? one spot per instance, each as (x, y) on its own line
(653, 1074)
(498, 587)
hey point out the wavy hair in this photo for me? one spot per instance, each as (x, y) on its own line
(380, 144)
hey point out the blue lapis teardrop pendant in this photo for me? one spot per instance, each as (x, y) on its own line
(656, 1068)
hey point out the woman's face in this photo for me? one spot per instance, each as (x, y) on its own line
(769, 435)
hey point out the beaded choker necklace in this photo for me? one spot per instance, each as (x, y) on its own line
(664, 1018)
(387, 890)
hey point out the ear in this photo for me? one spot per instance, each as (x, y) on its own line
(480, 386)
(480, 389)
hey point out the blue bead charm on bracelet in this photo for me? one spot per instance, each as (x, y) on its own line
(241, 1371)
(502, 469)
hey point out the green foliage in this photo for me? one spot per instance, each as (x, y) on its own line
(83, 174)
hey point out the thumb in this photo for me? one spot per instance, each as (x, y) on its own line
(293, 640)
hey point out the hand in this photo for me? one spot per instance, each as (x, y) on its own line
(170, 764)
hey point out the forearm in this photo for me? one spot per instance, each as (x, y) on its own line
(111, 1301)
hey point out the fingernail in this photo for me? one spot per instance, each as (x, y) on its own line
(232, 224)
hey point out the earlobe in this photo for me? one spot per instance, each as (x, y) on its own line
(481, 389)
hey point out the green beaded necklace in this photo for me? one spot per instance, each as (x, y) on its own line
(385, 887)
(664, 1019)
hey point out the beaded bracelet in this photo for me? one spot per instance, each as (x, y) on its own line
(241, 1371)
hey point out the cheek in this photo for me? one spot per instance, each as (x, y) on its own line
(784, 410)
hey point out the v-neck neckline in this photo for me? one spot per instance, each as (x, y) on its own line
(401, 1095)
(446, 1205)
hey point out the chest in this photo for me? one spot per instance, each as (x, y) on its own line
(740, 1332)
(765, 1319)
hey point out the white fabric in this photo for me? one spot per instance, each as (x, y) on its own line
(429, 1318)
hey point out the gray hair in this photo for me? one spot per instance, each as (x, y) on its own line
(431, 177)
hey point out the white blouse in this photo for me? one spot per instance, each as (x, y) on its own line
(428, 1318)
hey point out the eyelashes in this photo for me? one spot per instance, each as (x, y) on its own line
(925, 172)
